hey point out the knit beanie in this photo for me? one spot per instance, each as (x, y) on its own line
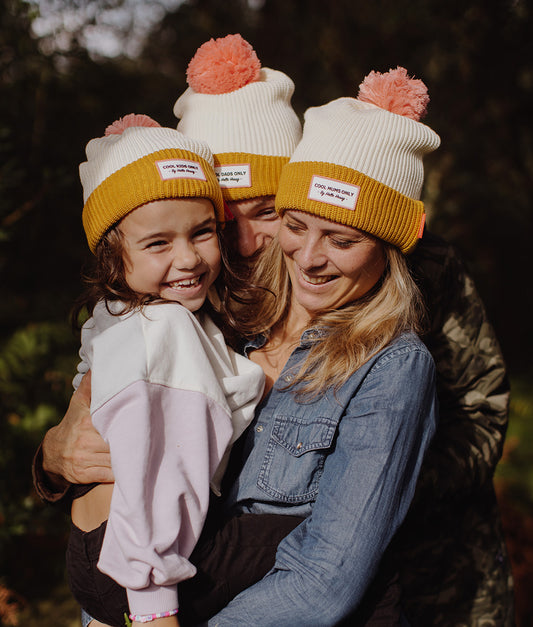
(136, 162)
(243, 112)
(360, 160)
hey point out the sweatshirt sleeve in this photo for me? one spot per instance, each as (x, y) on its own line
(158, 403)
(165, 445)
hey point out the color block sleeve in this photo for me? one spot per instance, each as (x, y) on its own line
(165, 445)
(157, 401)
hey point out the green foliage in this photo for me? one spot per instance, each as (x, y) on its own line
(36, 368)
(515, 470)
(476, 58)
(477, 61)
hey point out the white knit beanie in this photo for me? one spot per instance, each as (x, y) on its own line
(136, 162)
(243, 112)
(360, 160)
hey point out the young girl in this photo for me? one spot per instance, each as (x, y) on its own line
(167, 394)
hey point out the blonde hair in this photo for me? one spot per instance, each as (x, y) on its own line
(350, 335)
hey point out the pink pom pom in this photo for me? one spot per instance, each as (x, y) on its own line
(396, 92)
(223, 65)
(132, 119)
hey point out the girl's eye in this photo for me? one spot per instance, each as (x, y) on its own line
(156, 244)
(205, 233)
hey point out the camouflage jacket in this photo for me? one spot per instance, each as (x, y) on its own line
(451, 552)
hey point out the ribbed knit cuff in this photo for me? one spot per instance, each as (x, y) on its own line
(140, 182)
(343, 195)
(153, 599)
(244, 175)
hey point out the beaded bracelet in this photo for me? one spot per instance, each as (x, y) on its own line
(147, 618)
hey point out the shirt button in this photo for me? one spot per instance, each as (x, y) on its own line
(259, 428)
(288, 378)
(299, 446)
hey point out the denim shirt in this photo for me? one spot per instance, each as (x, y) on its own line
(346, 460)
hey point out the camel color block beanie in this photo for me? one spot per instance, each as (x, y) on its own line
(360, 160)
(136, 162)
(243, 112)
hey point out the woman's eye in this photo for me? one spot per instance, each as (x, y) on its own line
(292, 227)
(342, 243)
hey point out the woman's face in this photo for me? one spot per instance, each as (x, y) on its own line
(329, 264)
(171, 249)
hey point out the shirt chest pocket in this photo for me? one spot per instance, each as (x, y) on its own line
(295, 457)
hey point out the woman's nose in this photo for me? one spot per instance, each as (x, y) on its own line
(310, 253)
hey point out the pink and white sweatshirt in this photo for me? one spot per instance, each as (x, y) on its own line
(169, 397)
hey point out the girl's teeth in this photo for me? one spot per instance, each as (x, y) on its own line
(185, 283)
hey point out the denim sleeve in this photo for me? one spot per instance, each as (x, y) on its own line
(85, 618)
(324, 566)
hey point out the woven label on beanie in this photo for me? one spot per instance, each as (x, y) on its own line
(234, 175)
(333, 192)
(180, 169)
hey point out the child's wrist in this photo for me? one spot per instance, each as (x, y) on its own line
(170, 621)
(149, 618)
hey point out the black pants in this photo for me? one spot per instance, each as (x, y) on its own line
(228, 559)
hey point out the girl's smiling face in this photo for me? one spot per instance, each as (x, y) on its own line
(329, 264)
(171, 250)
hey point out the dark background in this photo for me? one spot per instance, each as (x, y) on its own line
(476, 59)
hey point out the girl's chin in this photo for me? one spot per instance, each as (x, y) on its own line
(192, 302)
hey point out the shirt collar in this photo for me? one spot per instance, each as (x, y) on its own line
(308, 337)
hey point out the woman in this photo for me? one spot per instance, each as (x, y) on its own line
(350, 405)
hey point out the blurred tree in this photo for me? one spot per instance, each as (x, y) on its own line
(35, 175)
(50, 105)
(477, 60)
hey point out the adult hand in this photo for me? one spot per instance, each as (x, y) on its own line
(73, 450)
